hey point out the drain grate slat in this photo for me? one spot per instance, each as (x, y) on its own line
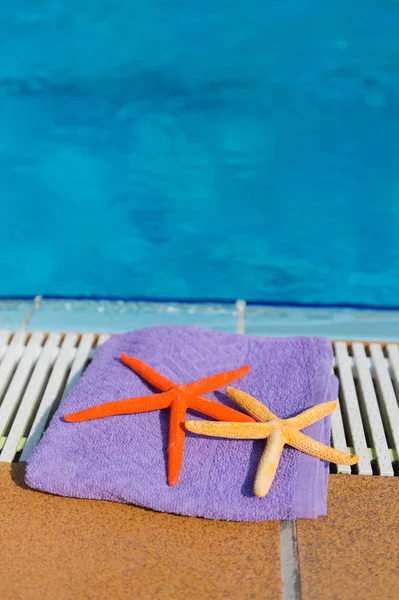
(30, 398)
(393, 362)
(352, 409)
(338, 435)
(4, 337)
(388, 403)
(38, 369)
(80, 361)
(10, 360)
(51, 393)
(19, 381)
(371, 409)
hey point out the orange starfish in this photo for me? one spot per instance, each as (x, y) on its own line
(177, 397)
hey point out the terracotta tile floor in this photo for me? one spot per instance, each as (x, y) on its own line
(354, 552)
(63, 548)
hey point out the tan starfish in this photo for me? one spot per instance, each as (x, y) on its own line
(278, 431)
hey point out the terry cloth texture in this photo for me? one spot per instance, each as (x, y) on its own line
(123, 458)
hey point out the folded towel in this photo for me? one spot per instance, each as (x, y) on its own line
(123, 458)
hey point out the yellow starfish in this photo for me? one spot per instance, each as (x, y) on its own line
(279, 432)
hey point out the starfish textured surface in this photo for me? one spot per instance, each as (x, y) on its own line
(177, 397)
(277, 431)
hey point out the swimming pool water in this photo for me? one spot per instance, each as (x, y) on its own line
(200, 150)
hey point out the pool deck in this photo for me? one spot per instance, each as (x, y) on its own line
(103, 316)
(131, 552)
(137, 553)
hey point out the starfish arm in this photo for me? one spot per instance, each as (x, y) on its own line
(122, 407)
(154, 378)
(306, 444)
(241, 431)
(268, 463)
(251, 405)
(214, 382)
(176, 440)
(310, 416)
(216, 410)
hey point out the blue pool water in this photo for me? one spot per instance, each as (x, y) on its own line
(195, 149)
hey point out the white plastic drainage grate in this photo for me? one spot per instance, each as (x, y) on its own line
(38, 369)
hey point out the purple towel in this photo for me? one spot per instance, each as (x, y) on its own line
(123, 458)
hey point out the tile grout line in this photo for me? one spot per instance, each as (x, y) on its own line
(36, 305)
(290, 570)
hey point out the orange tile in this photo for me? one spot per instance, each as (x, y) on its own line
(353, 553)
(65, 548)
